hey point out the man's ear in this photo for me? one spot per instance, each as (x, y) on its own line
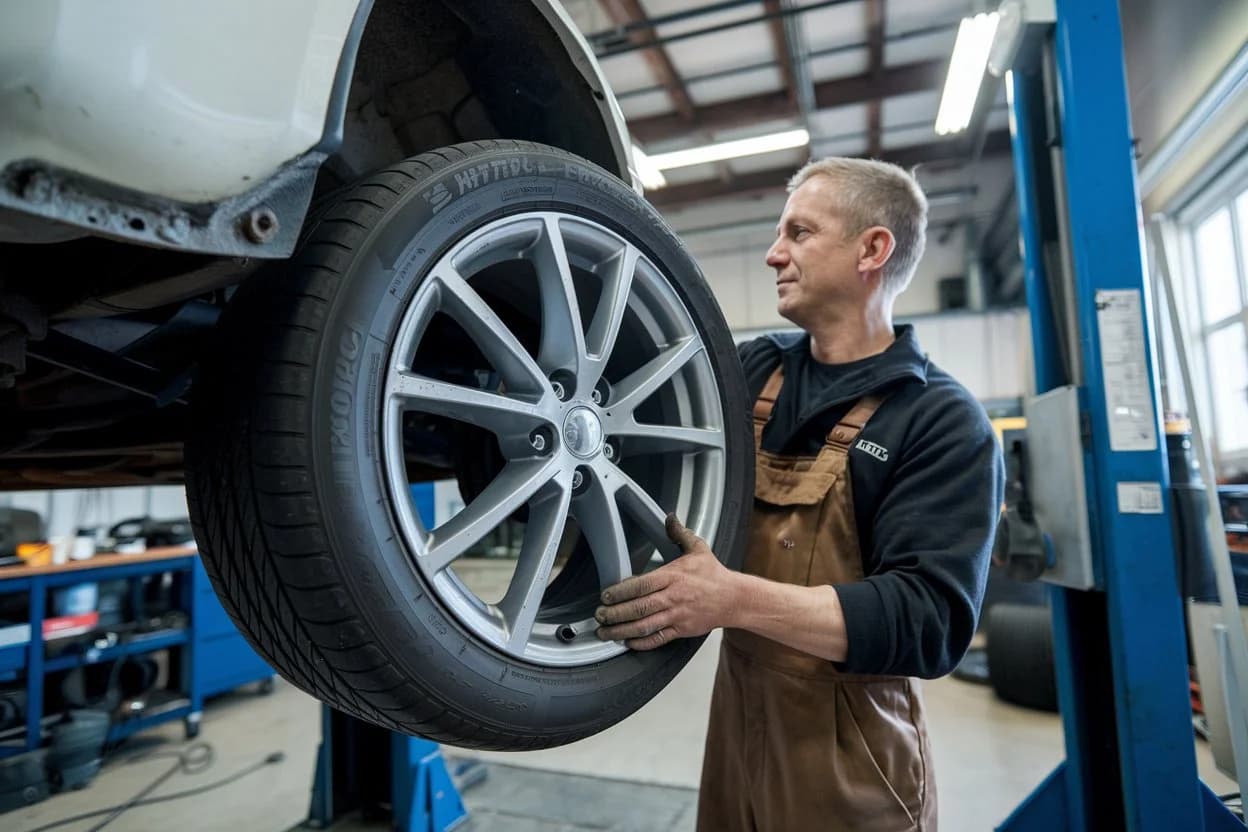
(875, 247)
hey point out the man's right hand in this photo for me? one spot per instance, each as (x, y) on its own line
(688, 597)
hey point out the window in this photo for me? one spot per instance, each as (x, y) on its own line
(1219, 299)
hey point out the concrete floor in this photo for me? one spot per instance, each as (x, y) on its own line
(989, 756)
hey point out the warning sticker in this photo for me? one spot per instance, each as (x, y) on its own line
(1139, 498)
(1124, 371)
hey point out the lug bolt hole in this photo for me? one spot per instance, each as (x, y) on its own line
(541, 441)
(602, 392)
(563, 385)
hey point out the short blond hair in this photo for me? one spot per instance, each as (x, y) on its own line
(870, 192)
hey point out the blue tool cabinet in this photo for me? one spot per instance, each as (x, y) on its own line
(207, 657)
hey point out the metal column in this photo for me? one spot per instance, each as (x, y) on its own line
(1119, 647)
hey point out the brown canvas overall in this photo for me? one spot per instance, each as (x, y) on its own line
(793, 744)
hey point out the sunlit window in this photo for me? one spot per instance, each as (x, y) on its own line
(1220, 254)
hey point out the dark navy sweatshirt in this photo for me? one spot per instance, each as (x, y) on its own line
(927, 481)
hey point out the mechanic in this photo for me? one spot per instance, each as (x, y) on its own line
(878, 484)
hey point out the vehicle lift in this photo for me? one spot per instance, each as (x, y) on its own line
(1094, 449)
(385, 775)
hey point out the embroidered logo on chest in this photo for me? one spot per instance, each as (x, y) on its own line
(877, 451)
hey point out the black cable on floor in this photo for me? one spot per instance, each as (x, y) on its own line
(193, 759)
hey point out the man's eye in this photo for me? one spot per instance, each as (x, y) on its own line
(799, 233)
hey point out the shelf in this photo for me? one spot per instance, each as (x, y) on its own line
(133, 647)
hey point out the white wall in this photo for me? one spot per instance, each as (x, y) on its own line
(988, 352)
(65, 511)
(732, 261)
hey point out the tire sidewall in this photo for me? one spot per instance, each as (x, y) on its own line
(418, 633)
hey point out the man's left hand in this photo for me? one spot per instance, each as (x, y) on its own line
(690, 596)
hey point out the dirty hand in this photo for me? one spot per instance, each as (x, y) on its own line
(690, 596)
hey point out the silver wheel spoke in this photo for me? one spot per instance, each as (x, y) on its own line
(598, 515)
(641, 507)
(512, 488)
(605, 327)
(491, 411)
(542, 536)
(642, 383)
(662, 439)
(563, 341)
(519, 371)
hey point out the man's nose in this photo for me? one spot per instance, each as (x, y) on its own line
(777, 256)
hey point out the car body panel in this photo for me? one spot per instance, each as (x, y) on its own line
(193, 102)
(118, 124)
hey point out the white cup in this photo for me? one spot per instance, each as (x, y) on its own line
(60, 549)
(83, 548)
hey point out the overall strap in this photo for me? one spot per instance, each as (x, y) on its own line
(766, 402)
(840, 438)
(846, 431)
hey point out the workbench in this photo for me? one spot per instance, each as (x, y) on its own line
(207, 656)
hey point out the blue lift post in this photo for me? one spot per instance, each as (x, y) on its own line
(1120, 651)
(360, 766)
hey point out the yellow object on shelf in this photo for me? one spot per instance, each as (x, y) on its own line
(35, 554)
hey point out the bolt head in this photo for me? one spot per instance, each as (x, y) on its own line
(577, 479)
(559, 392)
(608, 451)
(596, 396)
(538, 442)
(260, 225)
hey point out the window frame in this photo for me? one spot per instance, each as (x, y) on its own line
(1224, 195)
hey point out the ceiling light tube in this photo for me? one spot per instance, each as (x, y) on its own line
(966, 72)
(731, 150)
(651, 177)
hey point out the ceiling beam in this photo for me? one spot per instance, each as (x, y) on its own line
(875, 65)
(855, 89)
(628, 12)
(780, 46)
(766, 182)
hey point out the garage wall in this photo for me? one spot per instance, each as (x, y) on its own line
(70, 509)
(745, 286)
(988, 352)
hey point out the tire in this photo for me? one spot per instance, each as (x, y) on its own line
(1020, 655)
(299, 454)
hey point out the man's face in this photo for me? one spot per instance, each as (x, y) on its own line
(815, 264)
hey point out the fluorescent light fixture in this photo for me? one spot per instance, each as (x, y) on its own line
(731, 150)
(966, 72)
(651, 177)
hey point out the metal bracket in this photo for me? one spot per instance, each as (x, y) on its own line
(89, 360)
(262, 222)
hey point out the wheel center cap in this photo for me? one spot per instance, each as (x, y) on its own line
(582, 432)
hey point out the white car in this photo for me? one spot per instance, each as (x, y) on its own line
(301, 254)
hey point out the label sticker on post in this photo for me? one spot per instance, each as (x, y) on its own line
(1139, 498)
(1124, 371)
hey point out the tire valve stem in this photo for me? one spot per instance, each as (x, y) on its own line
(565, 633)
